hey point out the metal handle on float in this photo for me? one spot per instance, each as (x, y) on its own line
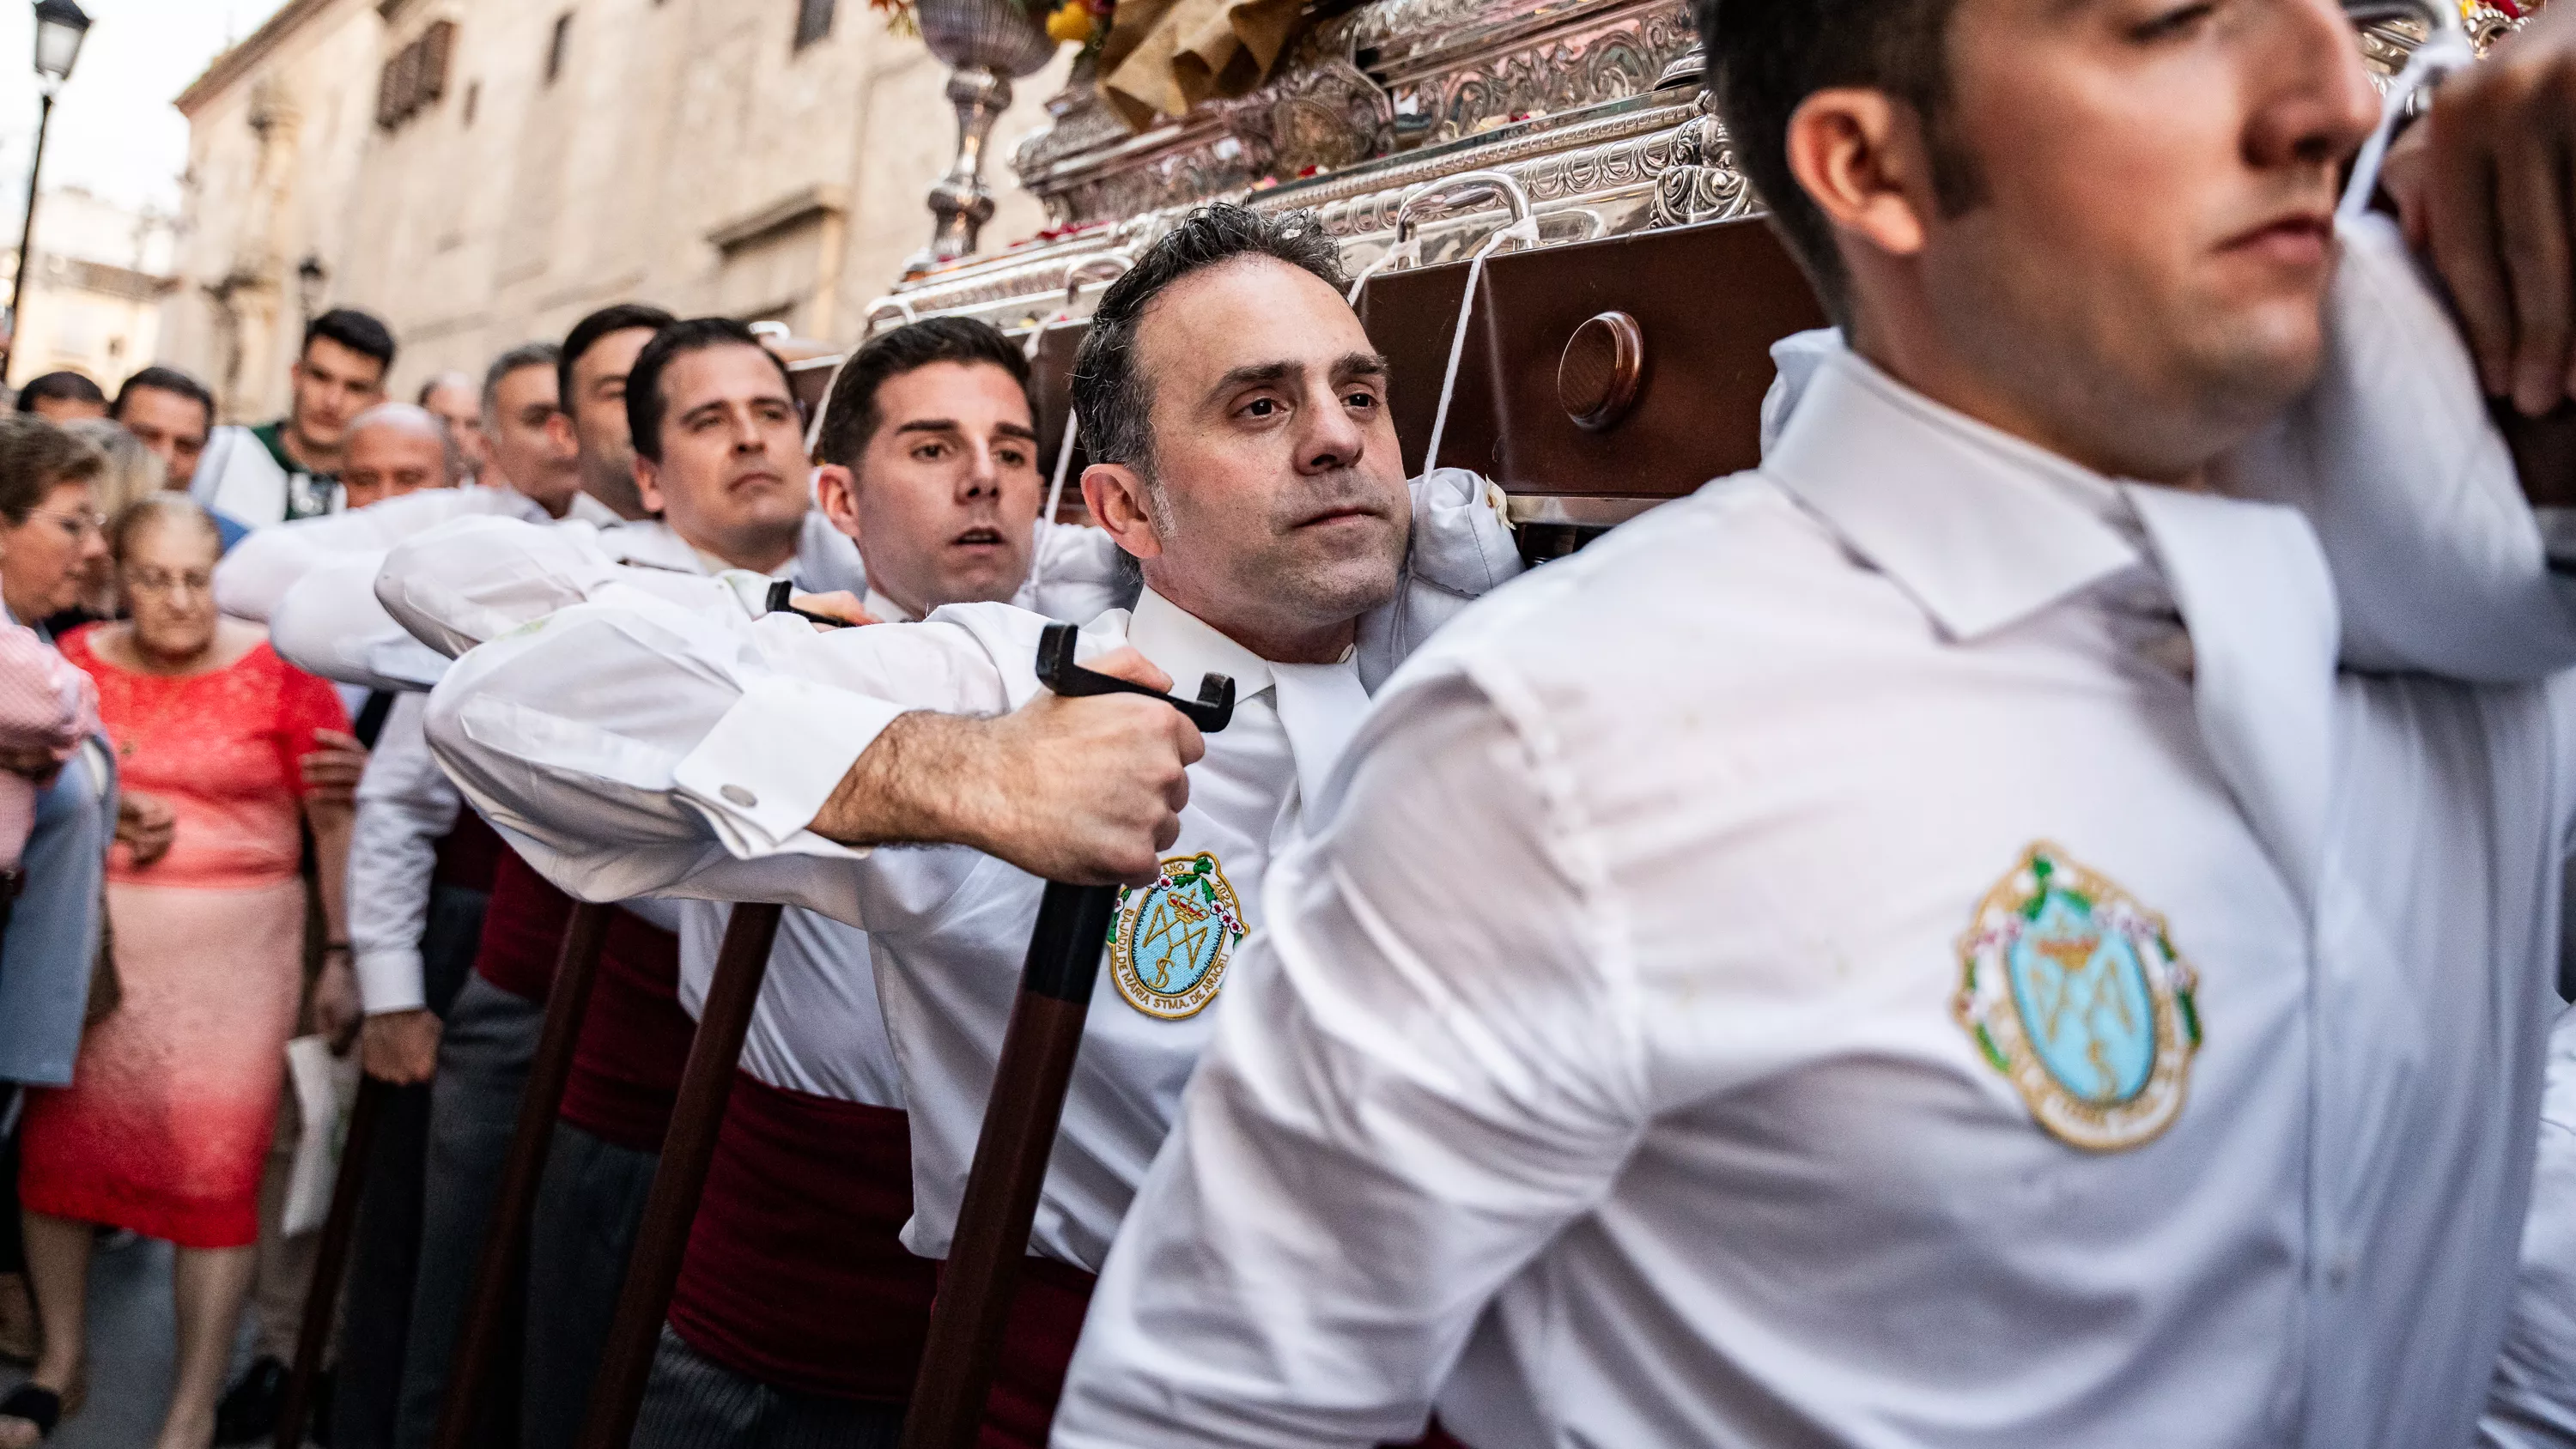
(889, 305)
(1450, 193)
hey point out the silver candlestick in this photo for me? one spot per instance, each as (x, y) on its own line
(987, 45)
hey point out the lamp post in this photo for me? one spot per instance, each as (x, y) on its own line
(60, 27)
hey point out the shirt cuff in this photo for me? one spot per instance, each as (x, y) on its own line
(769, 766)
(389, 979)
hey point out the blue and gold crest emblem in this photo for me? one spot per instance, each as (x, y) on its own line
(1170, 943)
(2073, 991)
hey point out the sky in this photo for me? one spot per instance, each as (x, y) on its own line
(114, 129)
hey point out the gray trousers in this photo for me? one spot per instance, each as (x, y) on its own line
(695, 1403)
(483, 1060)
(589, 1205)
(384, 1255)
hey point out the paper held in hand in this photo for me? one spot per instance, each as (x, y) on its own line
(324, 1087)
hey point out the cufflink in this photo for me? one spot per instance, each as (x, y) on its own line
(739, 796)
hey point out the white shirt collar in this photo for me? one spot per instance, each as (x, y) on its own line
(1978, 527)
(1184, 647)
(586, 509)
(885, 610)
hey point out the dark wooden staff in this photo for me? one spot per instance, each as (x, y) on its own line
(331, 1261)
(494, 1308)
(982, 1275)
(653, 1268)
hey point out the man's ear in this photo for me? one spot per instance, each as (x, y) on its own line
(648, 484)
(560, 433)
(1861, 159)
(837, 493)
(1116, 497)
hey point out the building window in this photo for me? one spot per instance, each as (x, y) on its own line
(415, 77)
(557, 47)
(813, 21)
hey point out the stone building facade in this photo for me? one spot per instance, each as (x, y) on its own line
(94, 299)
(483, 172)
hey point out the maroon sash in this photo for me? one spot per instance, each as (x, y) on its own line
(795, 1275)
(523, 930)
(634, 1040)
(469, 853)
(1037, 1348)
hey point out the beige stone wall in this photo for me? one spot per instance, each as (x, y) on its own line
(673, 126)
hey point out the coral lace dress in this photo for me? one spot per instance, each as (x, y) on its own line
(166, 1124)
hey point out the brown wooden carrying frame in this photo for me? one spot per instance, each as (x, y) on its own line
(468, 1411)
(653, 1269)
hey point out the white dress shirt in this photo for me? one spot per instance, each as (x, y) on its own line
(706, 740)
(314, 581)
(1665, 1036)
(405, 807)
(2533, 1405)
(817, 1026)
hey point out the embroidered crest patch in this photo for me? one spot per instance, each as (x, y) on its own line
(1170, 943)
(2073, 990)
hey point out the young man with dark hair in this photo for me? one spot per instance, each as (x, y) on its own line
(62, 397)
(590, 381)
(798, 1315)
(719, 455)
(170, 413)
(1275, 534)
(1921, 944)
(289, 469)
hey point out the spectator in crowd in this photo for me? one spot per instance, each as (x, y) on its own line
(51, 936)
(291, 468)
(133, 473)
(396, 448)
(172, 414)
(167, 1121)
(61, 397)
(453, 397)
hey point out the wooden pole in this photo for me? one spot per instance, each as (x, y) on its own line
(495, 1306)
(1039, 1048)
(331, 1261)
(626, 1364)
(982, 1276)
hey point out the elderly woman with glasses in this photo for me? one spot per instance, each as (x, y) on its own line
(166, 1124)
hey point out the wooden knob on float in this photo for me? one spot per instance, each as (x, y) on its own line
(1603, 365)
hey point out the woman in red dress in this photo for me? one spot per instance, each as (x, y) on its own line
(167, 1122)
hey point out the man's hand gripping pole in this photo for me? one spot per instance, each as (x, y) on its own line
(1026, 1106)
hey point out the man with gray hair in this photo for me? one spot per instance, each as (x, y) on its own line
(527, 455)
(453, 399)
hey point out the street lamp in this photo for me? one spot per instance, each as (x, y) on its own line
(310, 277)
(61, 25)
